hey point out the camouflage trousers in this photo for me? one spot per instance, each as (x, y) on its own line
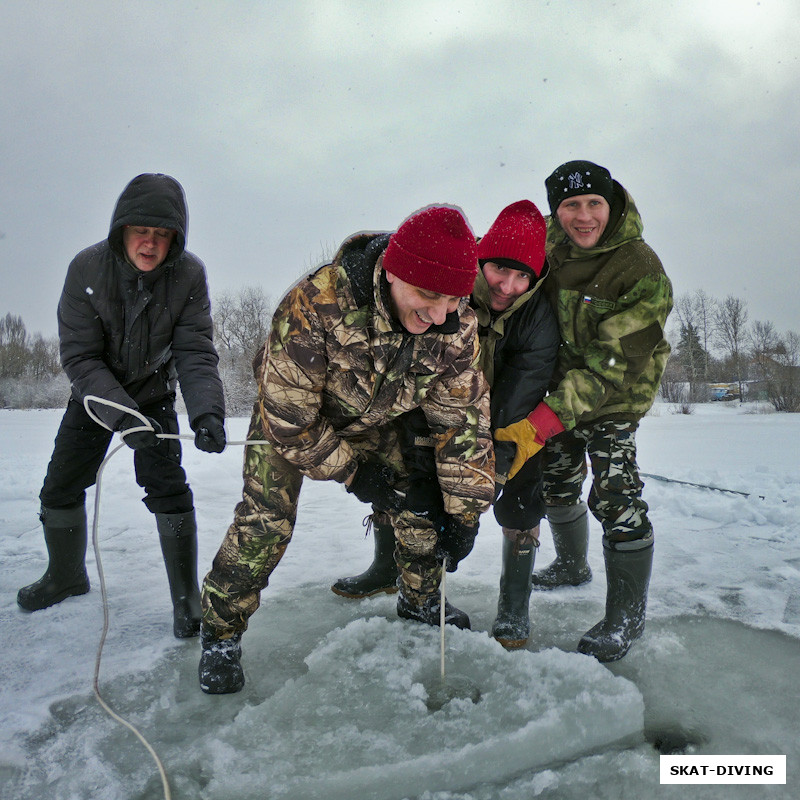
(264, 522)
(615, 498)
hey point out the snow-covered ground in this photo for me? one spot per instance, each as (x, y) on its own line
(341, 696)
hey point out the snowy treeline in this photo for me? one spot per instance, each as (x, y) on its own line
(713, 341)
(31, 375)
(30, 371)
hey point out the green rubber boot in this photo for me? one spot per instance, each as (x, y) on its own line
(570, 528)
(178, 536)
(380, 576)
(65, 534)
(512, 626)
(628, 577)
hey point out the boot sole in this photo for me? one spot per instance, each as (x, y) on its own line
(511, 644)
(361, 595)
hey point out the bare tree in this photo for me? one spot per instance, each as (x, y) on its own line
(241, 321)
(783, 382)
(241, 326)
(13, 347)
(43, 360)
(705, 311)
(689, 359)
(763, 340)
(731, 331)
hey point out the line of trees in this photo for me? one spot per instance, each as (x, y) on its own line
(30, 370)
(712, 342)
(31, 374)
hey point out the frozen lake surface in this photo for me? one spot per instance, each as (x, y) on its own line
(344, 700)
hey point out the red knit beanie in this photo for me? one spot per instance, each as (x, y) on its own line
(518, 234)
(434, 249)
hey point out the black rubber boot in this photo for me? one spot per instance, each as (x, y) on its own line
(512, 626)
(380, 576)
(430, 612)
(178, 536)
(65, 534)
(628, 576)
(220, 669)
(570, 528)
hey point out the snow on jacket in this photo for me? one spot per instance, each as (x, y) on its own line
(127, 335)
(612, 303)
(337, 364)
(518, 354)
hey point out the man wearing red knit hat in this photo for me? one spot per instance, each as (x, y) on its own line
(519, 342)
(384, 329)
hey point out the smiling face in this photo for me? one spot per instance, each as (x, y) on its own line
(584, 218)
(146, 248)
(417, 309)
(505, 284)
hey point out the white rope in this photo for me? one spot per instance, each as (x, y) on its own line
(96, 681)
(95, 545)
(442, 595)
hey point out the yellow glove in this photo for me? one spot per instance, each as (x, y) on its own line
(529, 434)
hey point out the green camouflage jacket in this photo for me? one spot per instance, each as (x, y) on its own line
(337, 364)
(612, 303)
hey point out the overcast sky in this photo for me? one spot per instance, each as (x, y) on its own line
(293, 124)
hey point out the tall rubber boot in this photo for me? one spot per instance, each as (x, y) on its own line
(380, 576)
(628, 576)
(570, 528)
(178, 536)
(220, 669)
(65, 534)
(512, 626)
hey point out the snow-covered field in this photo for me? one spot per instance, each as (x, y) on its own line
(339, 701)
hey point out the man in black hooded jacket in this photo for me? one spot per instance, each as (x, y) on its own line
(133, 320)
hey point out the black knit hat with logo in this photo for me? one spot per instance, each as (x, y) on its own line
(578, 177)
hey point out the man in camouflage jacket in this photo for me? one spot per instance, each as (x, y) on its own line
(382, 330)
(612, 299)
(519, 341)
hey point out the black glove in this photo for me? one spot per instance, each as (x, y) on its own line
(373, 483)
(455, 542)
(209, 434)
(139, 439)
(424, 498)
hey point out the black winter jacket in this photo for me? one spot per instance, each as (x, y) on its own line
(127, 335)
(518, 354)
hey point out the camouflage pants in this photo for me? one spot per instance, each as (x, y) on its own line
(615, 498)
(264, 522)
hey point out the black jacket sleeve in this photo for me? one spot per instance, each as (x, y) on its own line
(524, 361)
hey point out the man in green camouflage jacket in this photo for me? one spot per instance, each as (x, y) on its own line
(612, 299)
(382, 330)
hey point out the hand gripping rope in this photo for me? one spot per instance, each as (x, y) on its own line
(145, 426)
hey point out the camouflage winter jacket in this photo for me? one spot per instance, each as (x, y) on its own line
(337, 364)
(612, 303)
